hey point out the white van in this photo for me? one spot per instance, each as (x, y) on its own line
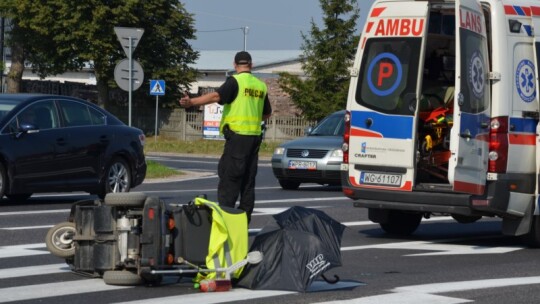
(442, 114)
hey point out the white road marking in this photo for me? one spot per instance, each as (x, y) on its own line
(33, 270)
(441, 246)
(236, 294)
(425, 293)
(27, 227)
(33, 212)
(23, 250)
(22, 293)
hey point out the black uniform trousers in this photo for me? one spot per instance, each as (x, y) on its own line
(237, 170)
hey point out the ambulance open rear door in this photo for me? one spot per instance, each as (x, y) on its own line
(383, 114)
(535, 10)
(469, 136)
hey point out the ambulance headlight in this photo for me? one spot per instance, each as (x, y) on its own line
(493, 156)
(279, 151)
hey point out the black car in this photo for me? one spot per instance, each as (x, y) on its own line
(52, 143)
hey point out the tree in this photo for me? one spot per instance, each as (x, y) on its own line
(56, 36)
(327, 57)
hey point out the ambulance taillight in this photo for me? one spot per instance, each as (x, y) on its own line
(498, 145)
(346, 137)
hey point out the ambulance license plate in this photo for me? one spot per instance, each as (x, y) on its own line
(302, 164)
(382, 179)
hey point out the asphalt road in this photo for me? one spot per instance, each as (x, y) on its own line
(443, 262)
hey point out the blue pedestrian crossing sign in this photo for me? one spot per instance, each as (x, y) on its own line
(157, 87)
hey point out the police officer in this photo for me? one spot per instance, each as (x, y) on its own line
(245, 105)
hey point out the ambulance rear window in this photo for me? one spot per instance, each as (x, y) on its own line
(389, 74)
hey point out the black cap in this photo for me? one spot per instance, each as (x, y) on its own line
(242, 57)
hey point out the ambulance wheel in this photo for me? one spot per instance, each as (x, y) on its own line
(532, 238)
(122, 278)
(126, 199)
(59, 240)
(401, 223)
(288, 185)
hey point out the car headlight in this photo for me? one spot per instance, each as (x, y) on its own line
(279, 151)
(337, 153)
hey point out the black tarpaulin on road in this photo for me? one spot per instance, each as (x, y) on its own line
(302, 245)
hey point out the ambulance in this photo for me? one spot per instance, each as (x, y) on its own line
(442, 114)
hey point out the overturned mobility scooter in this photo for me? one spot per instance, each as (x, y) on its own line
(132, 239)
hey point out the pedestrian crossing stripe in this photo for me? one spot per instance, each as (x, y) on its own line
(157, 87)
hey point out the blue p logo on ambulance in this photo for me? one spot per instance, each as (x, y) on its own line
(384, 74)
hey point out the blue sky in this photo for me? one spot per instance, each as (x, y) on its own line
(272, 24)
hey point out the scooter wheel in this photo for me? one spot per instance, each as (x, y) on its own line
(59, 240)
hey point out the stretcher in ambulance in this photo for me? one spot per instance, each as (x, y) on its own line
(442, 114)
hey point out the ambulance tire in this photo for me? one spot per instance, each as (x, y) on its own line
(532, 239)
(401, 223)
(122, 278)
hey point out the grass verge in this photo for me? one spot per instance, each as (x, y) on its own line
(195, 147)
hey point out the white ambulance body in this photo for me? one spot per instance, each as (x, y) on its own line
(442, 114)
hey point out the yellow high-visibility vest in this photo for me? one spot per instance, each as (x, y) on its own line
(244, 114)
(228, 240)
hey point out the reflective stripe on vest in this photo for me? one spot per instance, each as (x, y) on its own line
(244, 114)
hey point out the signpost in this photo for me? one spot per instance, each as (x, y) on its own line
(157, 88)
(129, 39)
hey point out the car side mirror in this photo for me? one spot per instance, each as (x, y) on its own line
(26, 128)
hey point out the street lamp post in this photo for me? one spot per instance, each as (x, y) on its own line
(245, 29)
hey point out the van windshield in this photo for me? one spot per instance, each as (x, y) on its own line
(389, 74)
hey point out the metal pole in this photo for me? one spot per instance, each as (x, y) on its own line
(245, 29)
(155, 131)
(130, 76)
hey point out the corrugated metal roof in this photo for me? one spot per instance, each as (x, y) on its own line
(222, 60)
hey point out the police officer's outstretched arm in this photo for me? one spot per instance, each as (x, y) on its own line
(187, 102)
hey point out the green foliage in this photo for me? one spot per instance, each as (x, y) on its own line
(157, 170)
(328, 54)
(63, 35)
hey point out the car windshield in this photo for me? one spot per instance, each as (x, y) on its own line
(332, 125)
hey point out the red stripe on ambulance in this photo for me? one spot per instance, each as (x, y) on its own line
(400, 27)
(535, 10)
(513, 10)
(377, 11)
(522, 139)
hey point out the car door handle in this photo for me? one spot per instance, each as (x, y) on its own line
(104, 139)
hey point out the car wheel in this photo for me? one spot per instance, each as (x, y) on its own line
(118, 177)
(20, 197)
(59, 240)
(288, 185)
(122, 277)
(130, 199)
(401, 223)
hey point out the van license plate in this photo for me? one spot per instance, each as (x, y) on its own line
(383, 179)
(302, 164)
